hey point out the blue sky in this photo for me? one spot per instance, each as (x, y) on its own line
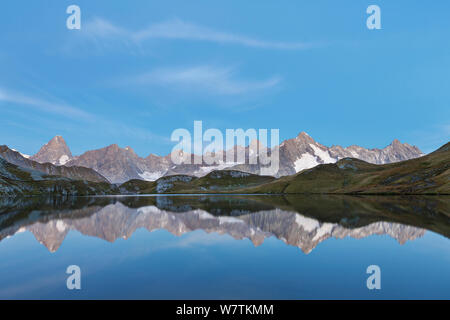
(136, 72)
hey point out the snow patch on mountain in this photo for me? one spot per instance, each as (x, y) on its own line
(307, 224)
(322, 154)
(149, 210)
(61, 226)
(203, 215)
(63, 160)
(22, 154)
(229, 220)
(305, 161)
(152, 176)
(325, 229)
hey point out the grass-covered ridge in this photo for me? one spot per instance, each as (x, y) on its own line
(429, 174)
(221, 181)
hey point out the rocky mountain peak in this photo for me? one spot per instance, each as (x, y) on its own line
(116, 151)
(304, 135)
(398, 144)
(55, 152)
(152, 156)
(57, 141)
(113, 147)
(302, 138)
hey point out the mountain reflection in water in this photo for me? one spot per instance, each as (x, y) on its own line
(301, 221)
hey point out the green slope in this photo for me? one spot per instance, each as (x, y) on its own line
(429, 174)
(221, 181)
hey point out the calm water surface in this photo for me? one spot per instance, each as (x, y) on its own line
(225, 247)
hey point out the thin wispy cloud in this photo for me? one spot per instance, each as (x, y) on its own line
(102, 28)
(75, 117)
(203, 79)
(176, 29)
(11, 98)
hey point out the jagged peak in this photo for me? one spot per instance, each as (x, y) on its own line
(55, 151)
(116, 148)
(57, 140)
(152, 156)
(303, 134)
(396, 142)
(113, 146)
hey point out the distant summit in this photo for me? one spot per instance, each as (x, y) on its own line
(55, 152)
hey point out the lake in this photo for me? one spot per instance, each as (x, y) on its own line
(225, 247)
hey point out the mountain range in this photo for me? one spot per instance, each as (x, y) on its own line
(429, 174)
(119, 165)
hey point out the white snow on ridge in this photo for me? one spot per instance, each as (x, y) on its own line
(354, 154)
(204, 215)
(230, 220)
(307, 224)
(325, 229)
(22, 154)
(305, 161)
(151, 176)
(324, 155)
(61, 226)
(149, 210)
(63, 160)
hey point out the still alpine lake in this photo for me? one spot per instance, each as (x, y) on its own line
(225, 247)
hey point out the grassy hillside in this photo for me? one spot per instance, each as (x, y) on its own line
(429, 174)
(225, 181)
